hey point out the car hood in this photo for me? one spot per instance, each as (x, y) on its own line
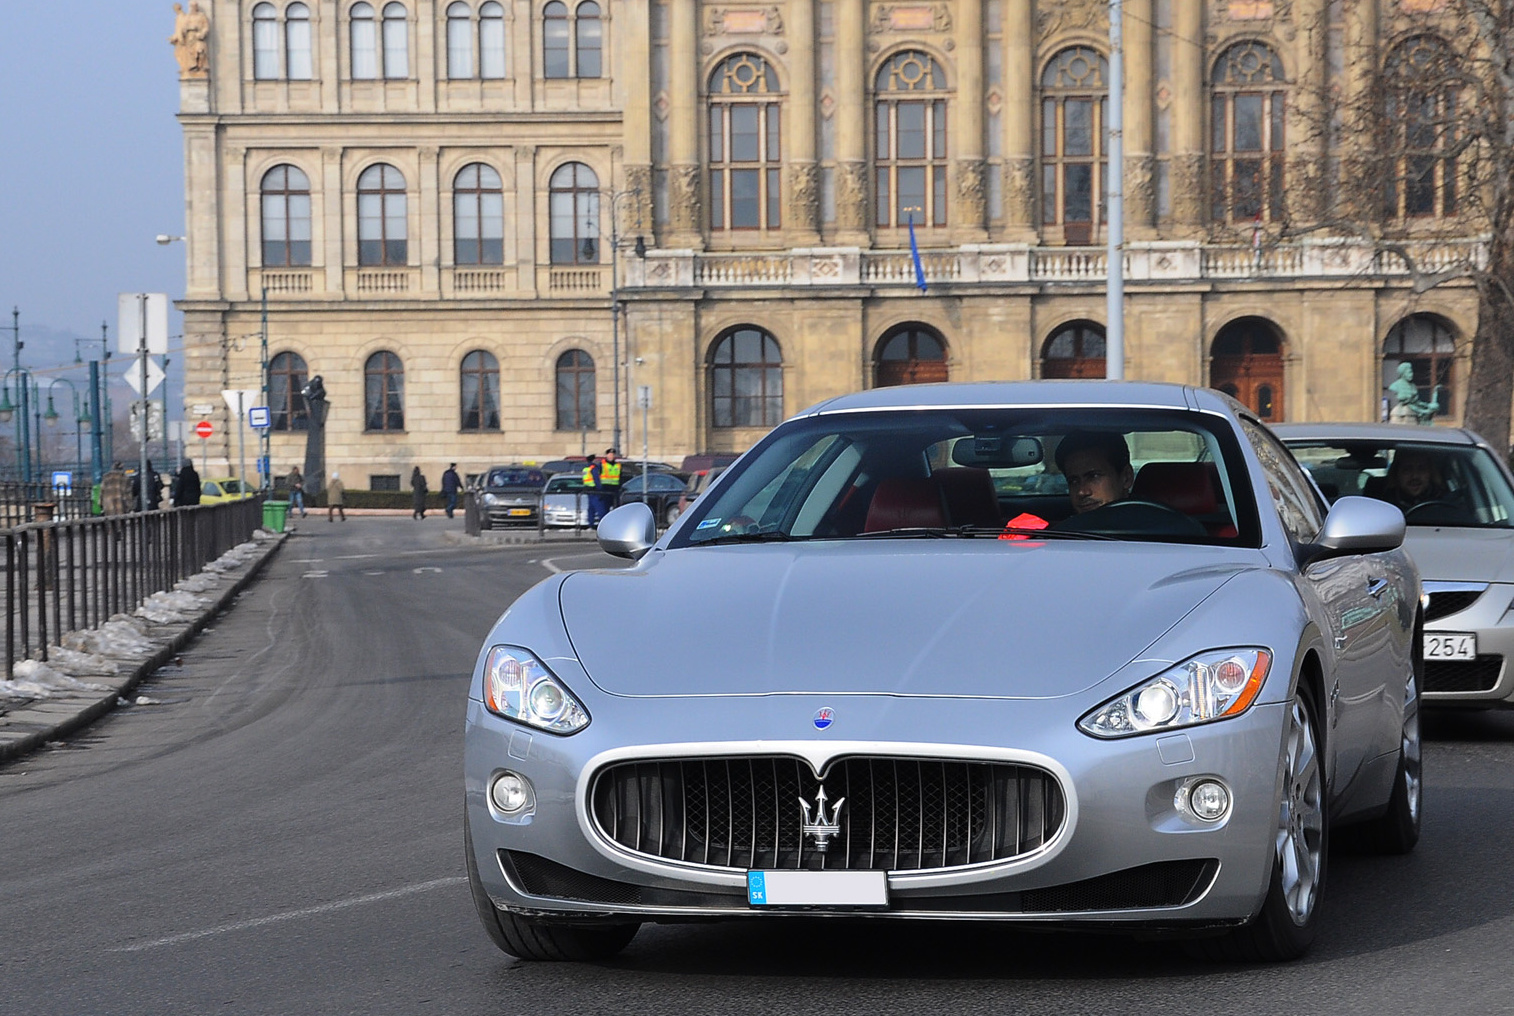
(906, 617)
(1448, 554)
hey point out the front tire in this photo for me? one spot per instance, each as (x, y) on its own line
(529, 939)
(1285, 927)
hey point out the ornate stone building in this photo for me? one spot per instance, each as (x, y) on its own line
(460, 211)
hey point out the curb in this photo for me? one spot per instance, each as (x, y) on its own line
(29, 742)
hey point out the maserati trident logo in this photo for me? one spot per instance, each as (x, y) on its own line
(822, 826)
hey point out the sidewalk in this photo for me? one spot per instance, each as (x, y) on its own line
(27, 725)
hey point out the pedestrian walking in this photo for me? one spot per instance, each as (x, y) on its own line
(418, 490)
(297, 490)
(452, 484)
(334, 495)
(154, 490)
(186, 486)
(115, 492)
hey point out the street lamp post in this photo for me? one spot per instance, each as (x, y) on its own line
(25, 386)
(641, 251)
(80, 417)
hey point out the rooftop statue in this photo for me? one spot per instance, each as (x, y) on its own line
(191, 41)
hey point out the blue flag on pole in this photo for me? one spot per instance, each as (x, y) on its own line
(914, 252)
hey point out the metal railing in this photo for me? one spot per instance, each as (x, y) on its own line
(73, 574)
(19, 502)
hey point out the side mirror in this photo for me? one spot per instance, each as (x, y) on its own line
(1358, 525)
(629, 531)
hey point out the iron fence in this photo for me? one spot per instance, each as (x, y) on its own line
(19, 501)
(72, 574)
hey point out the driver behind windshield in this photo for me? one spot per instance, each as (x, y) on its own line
(1097, 468)
(1413, 479)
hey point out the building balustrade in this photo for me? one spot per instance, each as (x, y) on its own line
(482, 281)
(382, 281)
(576, 281)
(285, 281)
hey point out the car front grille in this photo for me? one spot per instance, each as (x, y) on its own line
(898, 814)
(1480, 674)
(1452, 602)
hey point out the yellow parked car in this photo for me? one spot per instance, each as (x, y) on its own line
(223, 488)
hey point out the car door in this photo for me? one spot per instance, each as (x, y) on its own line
(1348, 594)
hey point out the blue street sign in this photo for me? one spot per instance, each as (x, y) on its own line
(63, 481)
(258, 417)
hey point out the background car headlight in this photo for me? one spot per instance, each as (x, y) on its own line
(519, 687)
(489, 499)
(1207, 687)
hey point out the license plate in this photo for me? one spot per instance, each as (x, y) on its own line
(1450, 646)
(516, 512)
(817, 888)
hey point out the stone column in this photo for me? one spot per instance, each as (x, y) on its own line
(333, 203)
(969, 216)
(1307, 191)
(234, 285)
(328, 53)
(803, 176)
(202, 213)
(634, 83)
(684, 209)
(851, 123)
(1187, 174)
(525, 218)
(1020, 216)
(1140, 164)
(1361, 62)
(429, 243)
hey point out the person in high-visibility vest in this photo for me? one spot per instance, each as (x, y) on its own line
(609, 481)
(590, 480)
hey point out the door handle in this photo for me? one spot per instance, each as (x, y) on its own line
(1376, 587)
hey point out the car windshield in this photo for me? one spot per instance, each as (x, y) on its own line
(516, 478)
(983, 472)
(231, 486)
(1434, 484)
(566, 483)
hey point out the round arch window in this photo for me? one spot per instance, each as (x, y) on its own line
(1076, 350)
(910, 354)
(1246, 363)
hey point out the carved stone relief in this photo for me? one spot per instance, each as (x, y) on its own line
(851, 195)
(684, 199)
(743, 21)
(909, 18)
(1071, 15)
(970, 191)
(804, 195)
(1140, 189)
(1019, 191)
(1188, 188)
(637, 213)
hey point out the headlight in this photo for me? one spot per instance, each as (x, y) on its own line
(519, 687)
(1210, 686)
(489, 499)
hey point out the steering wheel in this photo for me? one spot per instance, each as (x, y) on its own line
(1428, 507)
(1135, 515)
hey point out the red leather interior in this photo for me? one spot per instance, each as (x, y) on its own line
(970, 496)
(905, 502)
(1187, 486)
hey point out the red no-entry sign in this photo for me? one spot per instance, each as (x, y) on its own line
(203, 429)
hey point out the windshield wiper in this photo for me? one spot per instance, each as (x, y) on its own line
(767, 536)
(985, 532)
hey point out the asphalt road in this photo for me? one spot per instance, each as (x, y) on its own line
(281, 833)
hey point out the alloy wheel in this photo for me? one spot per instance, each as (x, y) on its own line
(1301, 816)
(1411, 747)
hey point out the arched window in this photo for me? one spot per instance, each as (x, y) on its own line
(556, 48)
(265, 42)
(908, 355)
(575, 391)
(573, 193)
(478, 216)
(396, 41)
(383, 392)
(297, 55)
(1425, 343)
(1246, 135)
(459, 40)
(1421, 94)
(910, 122)
(480, 395)
(1074, 91)
(745, 190)
(746, 379)
(491, 41)
(381, 218)
(590, 39)
(286, 217)
(1074, 350)
(1247, 364)
(287, 374)
(364, 38)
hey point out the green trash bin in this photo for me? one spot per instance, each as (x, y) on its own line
(274, 514)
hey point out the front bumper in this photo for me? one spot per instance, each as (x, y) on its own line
(510, 513)
(1488, 680)
(1122, 834)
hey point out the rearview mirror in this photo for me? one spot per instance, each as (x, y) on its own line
(628, 531)
(1358, 525)
(997, 451)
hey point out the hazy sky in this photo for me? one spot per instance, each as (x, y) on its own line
(91, 168)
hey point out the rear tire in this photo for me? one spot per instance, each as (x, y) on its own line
(529, 939)
(1286, 925)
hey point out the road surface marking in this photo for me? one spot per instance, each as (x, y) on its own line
(291, 915)
(316, 574)
(426, 568)
(551, 563)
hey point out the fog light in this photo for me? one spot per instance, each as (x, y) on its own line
(1208, 800)
(511, 793)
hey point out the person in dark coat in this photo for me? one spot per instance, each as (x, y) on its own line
(186, 488)
(451, 485)
(154, 490)
(418, 491)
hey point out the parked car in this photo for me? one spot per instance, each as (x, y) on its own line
(220, 489)
(707, 460)
(933, 699)
(660, 491)
(1457, 497)
(510, 495)
(566, 501)
(699, 482)
(571, 464)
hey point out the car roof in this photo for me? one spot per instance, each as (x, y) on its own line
(953, 395)
(1387, 432)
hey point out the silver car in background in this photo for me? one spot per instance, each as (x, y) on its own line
(941, 694)
(1457, 497)
(565, 501)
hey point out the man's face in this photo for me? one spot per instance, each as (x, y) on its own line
(1092, 481)
(611, 456)
(1414, 474)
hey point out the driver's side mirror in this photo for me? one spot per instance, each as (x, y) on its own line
(628, 531)
(1358, 525)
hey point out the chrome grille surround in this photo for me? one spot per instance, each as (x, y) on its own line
(1044, 825)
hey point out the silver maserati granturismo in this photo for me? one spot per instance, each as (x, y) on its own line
(1069, 653)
